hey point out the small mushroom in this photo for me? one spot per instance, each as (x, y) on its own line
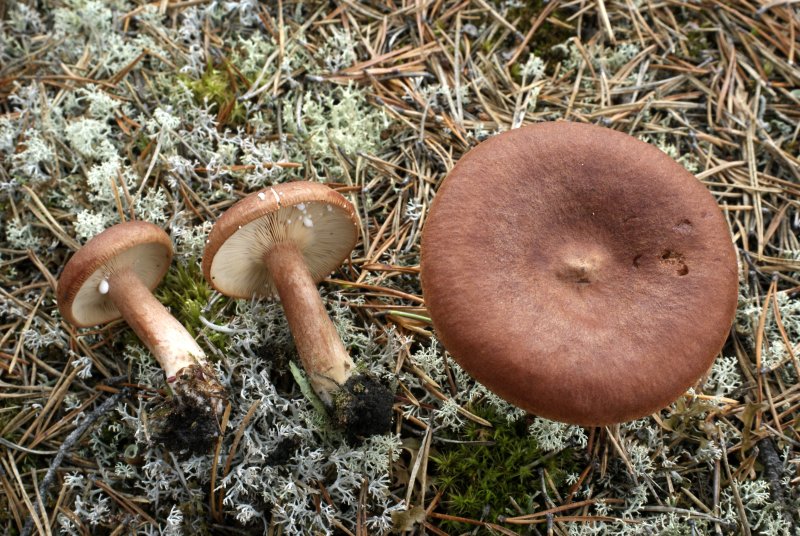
(579, 273)
(284, 240)
(113, 276)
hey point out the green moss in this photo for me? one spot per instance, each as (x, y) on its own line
(481, 479)
(219, 85)
(141, 142)
(696, 42)
(547, 35)
(516, 72)
(186, 293)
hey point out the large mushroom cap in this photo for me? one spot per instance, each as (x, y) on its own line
(318, 220)
(136, 245)
(579, 273)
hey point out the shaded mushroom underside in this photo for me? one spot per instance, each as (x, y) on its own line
(323, 233)
(579, 273)
(90, 307)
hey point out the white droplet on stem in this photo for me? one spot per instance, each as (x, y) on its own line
(302, 207)
(307, 222)
(102, 288)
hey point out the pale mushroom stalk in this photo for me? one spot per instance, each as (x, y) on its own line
(319, 346)
(174, 348)
(163, 335)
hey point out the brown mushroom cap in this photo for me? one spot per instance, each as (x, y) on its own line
(579, 273)
(318, 220)
(139, 246)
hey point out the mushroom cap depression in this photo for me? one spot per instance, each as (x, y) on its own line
(579, 273)
(136, 245)
(318, 220)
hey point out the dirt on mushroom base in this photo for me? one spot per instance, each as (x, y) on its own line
(187, 421)
(363, 406)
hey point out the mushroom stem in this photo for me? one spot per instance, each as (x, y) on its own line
(163, 335)
(319, 346)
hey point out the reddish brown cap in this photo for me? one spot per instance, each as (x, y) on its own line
(139, 246)
(579, 273)
(320, 221)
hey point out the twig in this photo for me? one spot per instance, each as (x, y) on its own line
(68, 443)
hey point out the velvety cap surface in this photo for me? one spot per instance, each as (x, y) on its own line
(579, 273)
(139, 246)
(320, 221)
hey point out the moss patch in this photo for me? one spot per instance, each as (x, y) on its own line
(219, 85)
(186, 293)
(495, 465)
(547, 35)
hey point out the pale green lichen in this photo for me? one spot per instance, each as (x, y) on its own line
(336, 119)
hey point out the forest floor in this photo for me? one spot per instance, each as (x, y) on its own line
(171, 111)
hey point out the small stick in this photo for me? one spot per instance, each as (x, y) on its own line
(68, 443)
(601, 8)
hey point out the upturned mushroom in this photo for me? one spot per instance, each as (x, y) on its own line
(112, 276)
(579, 273)
(284, 240)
